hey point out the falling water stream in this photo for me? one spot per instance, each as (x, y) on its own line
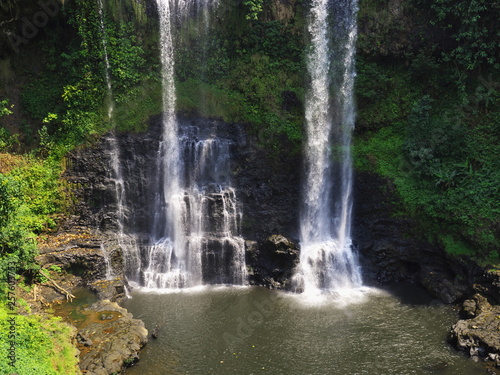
(114, 151)
(327, 260)
(192, 235)
(206, 247)
(107, 66)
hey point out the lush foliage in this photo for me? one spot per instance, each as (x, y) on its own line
(7, 140)
(432, 127)
(472, 26)
(252, 75)
(30, 198)
(76, 83)
(4, 108)
(427, 94)
(254, 8)
(42, 346)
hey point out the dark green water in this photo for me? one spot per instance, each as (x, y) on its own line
(257, 331)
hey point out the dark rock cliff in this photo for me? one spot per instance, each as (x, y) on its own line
(268, 188)
(393, 249)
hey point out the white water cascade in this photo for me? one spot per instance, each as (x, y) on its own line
(327, 260)
(107, 66)
(114, 154)
(194, 236)
(127, 242)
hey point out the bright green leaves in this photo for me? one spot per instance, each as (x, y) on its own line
(7, 140)
(126, 59)
(5, 109)
(42, 346)
(29, 197)
(254, 7)
(15, 233)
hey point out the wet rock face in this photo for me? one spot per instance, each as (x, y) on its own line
(478, 335)
(392, 250)
(267, 184)
(87, 175)
(89, 258)
(111, 341)
(272, 262)
(267, 188)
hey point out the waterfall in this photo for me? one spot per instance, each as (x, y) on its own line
(110, 274)
(193, 217)
(128, 243)
(107, 66)
(327, 260)
(202, 245)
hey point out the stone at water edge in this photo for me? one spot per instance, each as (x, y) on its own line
(479, 337)
(272, 261)
(116, 342)
(475, 306)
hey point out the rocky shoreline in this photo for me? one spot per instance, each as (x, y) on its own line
(111, 340)
(108, 337)
(477, 334)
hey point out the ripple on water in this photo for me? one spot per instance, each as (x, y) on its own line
(226, 330)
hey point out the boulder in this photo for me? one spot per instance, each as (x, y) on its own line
(272, 261)
(91, 259)
(478, 336)
(110, 344)
(475, 306)
(440, 285)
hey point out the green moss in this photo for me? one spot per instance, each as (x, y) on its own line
(385, 93)
(209, 101)
(455, 247)
(136, 108)
(380, 152)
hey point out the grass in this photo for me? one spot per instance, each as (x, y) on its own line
(43, 346)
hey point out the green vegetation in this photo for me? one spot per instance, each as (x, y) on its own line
(43, 346)
(427, 93)
(31, 199)
(471, 24)
(246, 70)
(7, 140)
(254, 8)
(429, 121)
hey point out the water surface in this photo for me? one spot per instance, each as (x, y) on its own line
(238, 330)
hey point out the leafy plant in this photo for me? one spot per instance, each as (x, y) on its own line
(30, 195)
(5, 109)
(471, 25)
(42, 345)
(254, 8)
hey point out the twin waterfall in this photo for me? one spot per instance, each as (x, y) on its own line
(191, 234)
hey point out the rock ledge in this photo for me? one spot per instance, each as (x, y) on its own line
(478, 335)
(111, 340)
